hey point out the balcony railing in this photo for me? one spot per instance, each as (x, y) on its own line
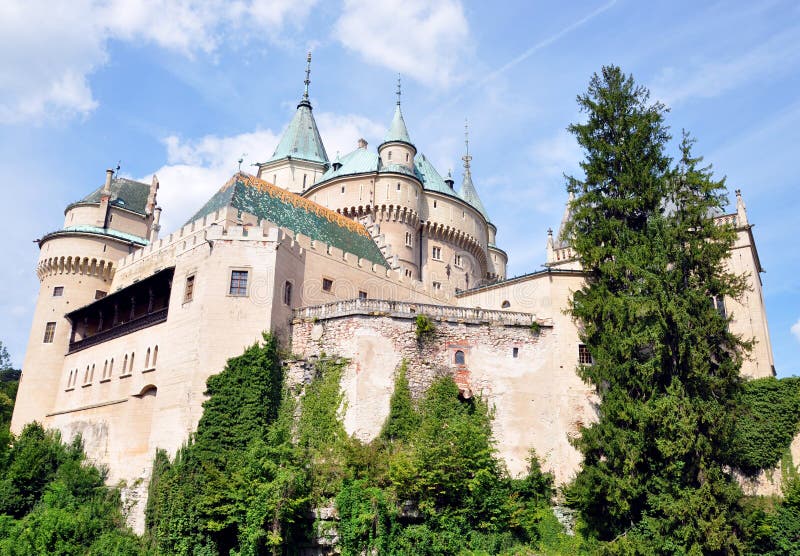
(407, 309)
(151, 319)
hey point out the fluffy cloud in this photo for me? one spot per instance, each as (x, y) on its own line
(196, 168)
(420, 38)
(796, 330)
(48, 49)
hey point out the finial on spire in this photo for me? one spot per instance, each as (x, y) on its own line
(466, 158)
(308, 75)
(399, 91)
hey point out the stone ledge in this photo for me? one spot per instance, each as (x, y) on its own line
(85, 407)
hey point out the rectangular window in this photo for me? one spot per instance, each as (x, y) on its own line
(362, 295)
(584, 357)
(437, 253)
(304, 180)
(287, 293)
(238, 283)
(188, 292)
(458, 261)
(49, 332)
(99, 294)
(515, 353)
(437, 286)
(409, 240)
(327, 284)
(58, 291)
(398, 187)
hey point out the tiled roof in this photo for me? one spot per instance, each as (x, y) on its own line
(96, 230)
(249, 194)
(125, 193)
(397, 130)
(301, 139)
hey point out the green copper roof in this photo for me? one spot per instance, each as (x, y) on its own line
(249, 194)
(301, 139)
(470, 195)
(360, 161)
(397, 130)
(430, 177)
(125, 193)
(96, 230)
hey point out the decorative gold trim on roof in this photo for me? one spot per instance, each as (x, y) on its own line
(297, 201)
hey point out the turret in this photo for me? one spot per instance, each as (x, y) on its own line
(76, 266)
(299, 159)
(397, 147)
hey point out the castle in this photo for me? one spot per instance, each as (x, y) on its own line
(335, 257)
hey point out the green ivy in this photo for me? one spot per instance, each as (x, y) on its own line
(425, 328)
(766, 423)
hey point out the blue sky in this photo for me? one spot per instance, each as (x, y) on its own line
(184, 88)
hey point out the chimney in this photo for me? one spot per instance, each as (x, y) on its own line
(362, 143)
(105, 200)
(107, 185)
(155, 227)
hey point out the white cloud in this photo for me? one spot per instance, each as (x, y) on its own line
(420, 38)
(796, 330)
(197, 168)
(49, 49)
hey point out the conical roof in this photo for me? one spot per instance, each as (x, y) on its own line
(301, 139)
(397, 130)
(470, 194)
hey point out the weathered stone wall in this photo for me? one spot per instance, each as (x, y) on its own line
(505, 362)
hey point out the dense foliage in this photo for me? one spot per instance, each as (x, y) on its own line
(430, 484)
(665, 365)
(53, 502)
(768, 420)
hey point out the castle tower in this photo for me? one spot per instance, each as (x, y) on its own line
(397, 148)
(300, 158)
(76, 265)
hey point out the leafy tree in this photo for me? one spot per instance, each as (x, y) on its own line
(53, 502)
(665, 365)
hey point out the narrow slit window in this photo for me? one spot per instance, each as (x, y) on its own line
(188, 292)
(287, 293)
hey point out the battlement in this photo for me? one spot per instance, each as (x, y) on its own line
(228, 224)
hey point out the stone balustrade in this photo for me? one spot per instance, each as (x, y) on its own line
(408, 309)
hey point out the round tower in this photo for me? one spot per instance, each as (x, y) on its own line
(76, 266)
(397, 148)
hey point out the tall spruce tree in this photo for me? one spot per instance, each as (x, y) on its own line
(665, 366)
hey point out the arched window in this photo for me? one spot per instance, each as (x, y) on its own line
(131, 367)
(111, 367)
(505, 305)
(287, 293)
(155, 355)
(105, 368)
(91, 375)
(86, 375)
(459, 358)
(147, 359)
(125, 364)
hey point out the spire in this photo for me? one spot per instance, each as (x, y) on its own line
(398, 130)
(468, 191)
(305, 100)
(741, 210)
(301, 139)
(562, 241)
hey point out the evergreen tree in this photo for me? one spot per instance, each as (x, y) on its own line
(665, 366)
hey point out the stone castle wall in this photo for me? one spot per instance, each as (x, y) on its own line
(505, 362)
